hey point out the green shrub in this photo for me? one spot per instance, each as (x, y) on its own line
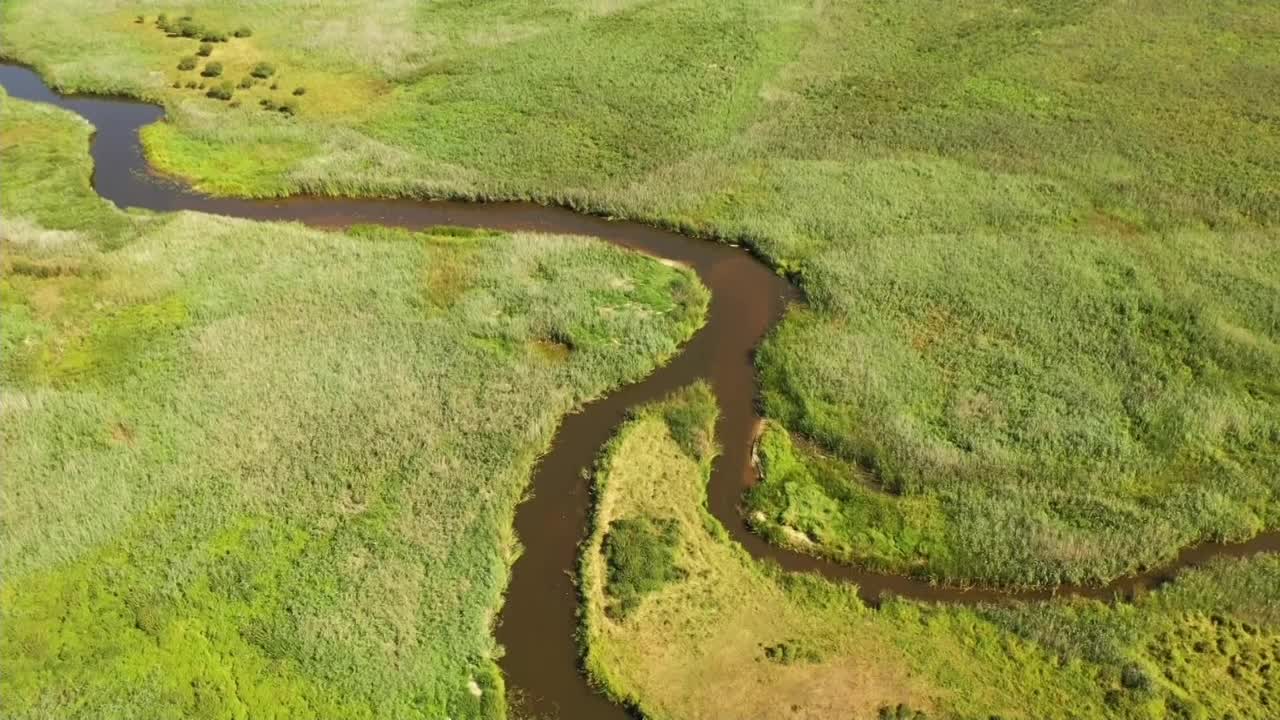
(205, 50)
(191, 84)
(140, 19)
(187, 28)
(275, 86)
(263, 70)
(162, 21)
(267, 104)
(235, 103)
(223, 91)
(299, 91)
(177, 83)
(187, 63)
(289, 107)
(213, 36)
(246, 82)
(213, 69)
(640, 554)
(242, 32)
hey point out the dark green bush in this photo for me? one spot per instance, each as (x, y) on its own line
(177, 83)
(140, 19)
(187, 28)
(162, 21)
(267, 104)
(289, 107)
(205, 50)
(640, 554)
(275, 86)
(1133, 678)
(213, 36)
(187, 63)
(213, 69)
(263, 70)
(243, 31)
(223, 91)
(299, 91)
(246, 82)
(191, 85)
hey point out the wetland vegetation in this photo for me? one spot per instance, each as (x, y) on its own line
(1037, 239)
(727, 636)
(257, 469)
(1041, 340)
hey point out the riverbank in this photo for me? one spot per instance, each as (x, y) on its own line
(256, 467)
(719, 634)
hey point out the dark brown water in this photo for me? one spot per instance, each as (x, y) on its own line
(539, 618)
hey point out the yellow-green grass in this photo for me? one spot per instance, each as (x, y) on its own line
(258, 470)
(1038, 238)
(726, 636)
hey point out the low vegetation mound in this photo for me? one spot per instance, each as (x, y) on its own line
(640, 553)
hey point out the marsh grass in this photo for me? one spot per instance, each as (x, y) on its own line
(257, 468)
(732, 637)
(1040, 254)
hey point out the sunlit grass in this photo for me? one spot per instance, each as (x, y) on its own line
(1038, 239)
(726, 636)
(257, 469)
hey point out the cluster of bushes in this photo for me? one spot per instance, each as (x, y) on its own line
(901, 712)
(187, 27)
(288, 107)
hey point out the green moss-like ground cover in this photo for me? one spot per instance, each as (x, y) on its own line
(1038, 238)
(257, 470)
(731, 637)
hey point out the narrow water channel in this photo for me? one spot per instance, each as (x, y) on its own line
(538, 620)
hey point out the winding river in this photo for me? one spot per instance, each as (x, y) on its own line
(538, 620)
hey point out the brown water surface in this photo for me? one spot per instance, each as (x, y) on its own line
(539, 617)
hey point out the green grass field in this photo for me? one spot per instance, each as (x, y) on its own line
(721, 635)
(257, 470)
(1038, 239)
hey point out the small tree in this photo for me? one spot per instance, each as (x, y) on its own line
(263, 70)
(205, 50)
(187, 63)
(213, 69)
